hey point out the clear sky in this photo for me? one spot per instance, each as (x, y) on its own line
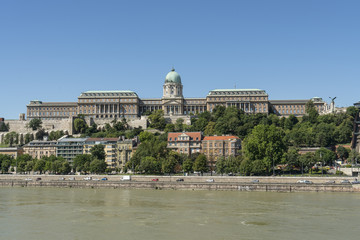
(293, 49)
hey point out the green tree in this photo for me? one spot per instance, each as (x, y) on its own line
(169, 163)
(188, 165)
(342, 152)
(55, 135)
(150, 165)
(179, 125)
(157, 120)
(307, 161)
(80, 125)
(34, 124)
(312, 113)
(352, 111)
(354, 156)
(210, 129)
(265, 143)
(40, 165)
(325, 156)
(98, 166)
(11, 138)
(292, 159)
(98, 152)
(39, 135)
(81, 163)
(5, 163)
(221, 165)
(200, 164)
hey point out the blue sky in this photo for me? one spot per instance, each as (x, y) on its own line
(54, 50)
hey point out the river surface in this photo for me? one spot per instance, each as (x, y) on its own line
(62, 213)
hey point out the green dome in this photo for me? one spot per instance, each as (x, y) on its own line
(173, 77)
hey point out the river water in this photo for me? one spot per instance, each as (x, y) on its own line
(62, 213)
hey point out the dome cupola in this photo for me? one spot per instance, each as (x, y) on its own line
(172, 77)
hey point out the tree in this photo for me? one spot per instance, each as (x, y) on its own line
(98, 166)
(150, 165)
(188, 165)
(221, 165)
(169, 163)
(98, 152)
(5, 162)
(55, 135)
(210, 129)
(34, 124)
(179, 125)
(80, 125)
(307, 161)
(312, 113)
(39, 135)
(157, 120)
(354, 156)
(200, 164)
(342, 152)
(40, 165)
(265, 143)
(292, 159)
(352, 111)
(81, 163)
(325, 156)
(11, 138)
(4, 127)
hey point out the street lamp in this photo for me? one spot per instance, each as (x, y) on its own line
(322, 166)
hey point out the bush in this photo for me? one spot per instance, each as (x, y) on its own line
(339, 172)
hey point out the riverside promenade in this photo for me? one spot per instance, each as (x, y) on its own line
(220, 183)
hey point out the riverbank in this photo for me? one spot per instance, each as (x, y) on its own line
(220, 183)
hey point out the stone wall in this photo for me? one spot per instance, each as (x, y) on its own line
(275, 184)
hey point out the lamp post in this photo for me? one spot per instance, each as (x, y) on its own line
(322, 166)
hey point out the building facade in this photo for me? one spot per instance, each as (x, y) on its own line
(38, 149)
(185, 142)
(214, 147)
(109, 148)
(116, 104)
(69, 148)
(14, 152)
(125, 150)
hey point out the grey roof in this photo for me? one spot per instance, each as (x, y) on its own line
(114, 93)
(229, 92)
(72, 104)
(299, 101)
(72, 140)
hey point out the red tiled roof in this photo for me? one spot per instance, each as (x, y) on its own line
(193, 135)
(219, 138)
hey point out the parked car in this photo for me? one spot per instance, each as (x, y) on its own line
(180, 180)
(210, 180)
(155, 179)
(87, 178)
(61, 179)
(330, 182)
(126, 178)
(104, 179)
(38, 179)
(345, 181)
(255, 181)
(96, 179)
(72, 179)
(28, 179)
(305, 181)
(355, 182)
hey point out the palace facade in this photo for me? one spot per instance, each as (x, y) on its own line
(117, 104)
